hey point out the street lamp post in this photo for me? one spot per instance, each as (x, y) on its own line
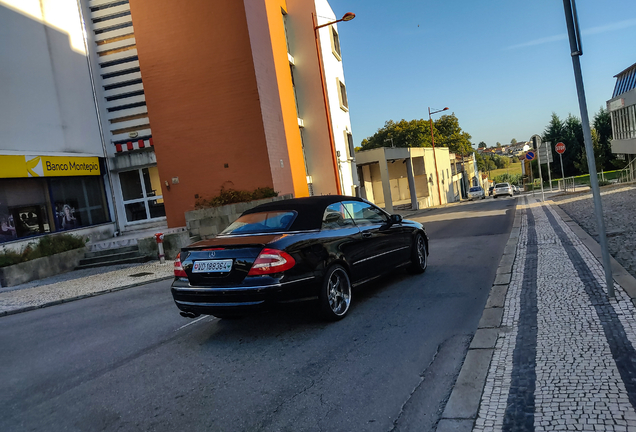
(346, 17)
(439, 191)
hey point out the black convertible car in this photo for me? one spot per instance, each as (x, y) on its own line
(314, 248)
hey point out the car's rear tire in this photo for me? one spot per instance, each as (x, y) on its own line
(419, 256)
(335, 293)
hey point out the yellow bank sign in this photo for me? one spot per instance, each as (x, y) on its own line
(47, 166)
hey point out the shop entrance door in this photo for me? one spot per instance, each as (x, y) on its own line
(142, 194)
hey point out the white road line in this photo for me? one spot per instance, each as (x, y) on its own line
(192, 322)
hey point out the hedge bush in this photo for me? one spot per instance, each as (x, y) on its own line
(45, 246)
(231, 196)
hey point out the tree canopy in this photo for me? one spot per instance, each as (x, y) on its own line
(482, 145)
(570, 133)
(417, 133)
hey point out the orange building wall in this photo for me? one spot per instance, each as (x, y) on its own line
(202, 97)
(286, 91)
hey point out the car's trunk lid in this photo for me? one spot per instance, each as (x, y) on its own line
(222, 261)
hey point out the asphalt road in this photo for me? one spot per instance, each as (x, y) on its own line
(126, 361)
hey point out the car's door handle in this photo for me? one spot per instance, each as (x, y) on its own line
(366, 234)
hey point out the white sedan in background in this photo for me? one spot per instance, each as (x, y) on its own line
(502, 189)
(476, 192)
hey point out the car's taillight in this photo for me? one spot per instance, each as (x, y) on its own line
(271, 261)
(178, 268)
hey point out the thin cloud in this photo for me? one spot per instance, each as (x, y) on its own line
(592, 31)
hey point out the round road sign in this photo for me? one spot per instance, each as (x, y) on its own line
(530, 155)
(560, 148)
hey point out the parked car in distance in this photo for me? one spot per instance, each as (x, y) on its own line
(315, 248)
(490, 189)
(516, 190)
(502, 189)
(476, 192)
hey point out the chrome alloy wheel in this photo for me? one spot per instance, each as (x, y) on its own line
(421, 252)
(339, 291)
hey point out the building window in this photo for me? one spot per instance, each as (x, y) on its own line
(35, 206)
(350, 146)
(142, 194)
(624, 123)
(342, 95)
(335, 43)
(78, 202)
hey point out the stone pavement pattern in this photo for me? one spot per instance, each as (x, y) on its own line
(80, 284)
(565, 357)
(619, 203)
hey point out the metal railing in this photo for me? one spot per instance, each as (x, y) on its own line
(628, 174)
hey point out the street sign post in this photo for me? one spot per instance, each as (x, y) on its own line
(560, 149)
(536, 143)
(548, 149)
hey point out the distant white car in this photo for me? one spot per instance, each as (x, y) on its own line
(476, 192)
(502, 189)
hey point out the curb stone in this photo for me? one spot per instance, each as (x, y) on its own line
(462, 407)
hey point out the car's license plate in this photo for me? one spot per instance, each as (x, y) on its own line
(212, 266)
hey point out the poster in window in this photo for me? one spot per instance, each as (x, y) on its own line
(67, 217)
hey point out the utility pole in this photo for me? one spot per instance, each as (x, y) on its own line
(576, 50)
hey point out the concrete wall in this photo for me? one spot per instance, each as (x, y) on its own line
(41, 268)
(46, 97)
(207, 223)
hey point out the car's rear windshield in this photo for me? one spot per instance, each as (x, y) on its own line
(475, 189)
(263, 222)
(501, 185)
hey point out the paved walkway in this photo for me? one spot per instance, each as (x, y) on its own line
(80, 284)
(563, 356)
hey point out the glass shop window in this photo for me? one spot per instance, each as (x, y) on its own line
(24, 209)
(78, 202)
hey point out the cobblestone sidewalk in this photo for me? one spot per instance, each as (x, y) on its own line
(619, 202)
(564, 358)
(79, 284)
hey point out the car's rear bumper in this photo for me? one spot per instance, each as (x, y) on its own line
(239, 300)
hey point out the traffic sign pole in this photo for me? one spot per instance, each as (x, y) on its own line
(560, 149)
(548, 148)
(575, 52)
(562, 172)
(537, 140)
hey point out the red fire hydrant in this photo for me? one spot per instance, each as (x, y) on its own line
(162, 256)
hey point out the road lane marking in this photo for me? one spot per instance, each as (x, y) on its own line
(192, 322)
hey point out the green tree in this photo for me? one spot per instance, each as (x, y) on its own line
(570, 133)
(513, 141)
(482, 145)
(417, 133)
(606, 160)
(452, 136)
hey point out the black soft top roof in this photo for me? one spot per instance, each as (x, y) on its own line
(310, 210)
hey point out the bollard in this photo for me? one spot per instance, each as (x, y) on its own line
(162, 256)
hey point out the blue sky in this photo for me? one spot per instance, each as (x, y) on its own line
(501, 66)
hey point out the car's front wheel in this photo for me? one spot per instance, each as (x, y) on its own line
(419, 258)
(335, 293)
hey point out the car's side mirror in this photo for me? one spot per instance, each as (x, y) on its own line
(396, 218)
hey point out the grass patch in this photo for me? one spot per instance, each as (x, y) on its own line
(45, 246)
(513, 169)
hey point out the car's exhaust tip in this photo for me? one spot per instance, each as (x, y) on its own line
(189, 314)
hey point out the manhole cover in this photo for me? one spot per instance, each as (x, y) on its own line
(140, 274)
